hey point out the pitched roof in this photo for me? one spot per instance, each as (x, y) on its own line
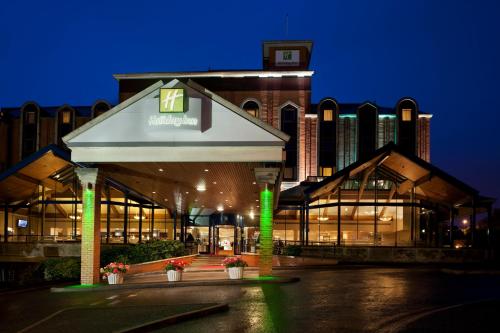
(430, 181)
(190, 84)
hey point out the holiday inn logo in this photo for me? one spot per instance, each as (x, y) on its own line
(172, 100)
(287, 55)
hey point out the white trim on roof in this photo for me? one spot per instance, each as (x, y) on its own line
(221, 74)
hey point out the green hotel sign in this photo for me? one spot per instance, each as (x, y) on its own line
(173, 100)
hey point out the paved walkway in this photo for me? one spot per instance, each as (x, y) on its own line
(203, 268)
(209, 267)
(156, 277)
(206, 263)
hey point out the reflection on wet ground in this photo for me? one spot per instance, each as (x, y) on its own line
(342, 299)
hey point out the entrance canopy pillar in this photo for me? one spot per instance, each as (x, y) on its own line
(266, 178)
(91, 224)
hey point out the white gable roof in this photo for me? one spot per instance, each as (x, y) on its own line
(212, 126)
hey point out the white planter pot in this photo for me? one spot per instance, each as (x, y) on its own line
(235, 273)
(115, 278)
(174, 275)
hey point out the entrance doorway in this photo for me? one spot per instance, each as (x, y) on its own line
(221, 240)
(225, 242)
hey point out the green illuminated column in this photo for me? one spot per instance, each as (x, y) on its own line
(91, 225)
(266, 232)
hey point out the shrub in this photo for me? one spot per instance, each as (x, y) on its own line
(25, 273)
(115, 253)
(148, 251)
(292, 250)
(61, 269)
(156, 250)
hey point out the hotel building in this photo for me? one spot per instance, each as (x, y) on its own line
(185, 155)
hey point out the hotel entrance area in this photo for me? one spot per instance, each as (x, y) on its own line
(204, 161)
(216, 239)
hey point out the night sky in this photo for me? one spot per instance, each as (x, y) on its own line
(443, 53)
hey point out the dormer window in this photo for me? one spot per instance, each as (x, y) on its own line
(30, 117)
(29, 129)
(406, 114)
(252, 108)
(65, 123)
(66, 117)
(328, 115)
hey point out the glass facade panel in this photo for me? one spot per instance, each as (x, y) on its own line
(347, 141)
(386, 130)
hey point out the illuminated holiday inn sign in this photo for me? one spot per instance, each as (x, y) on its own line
(173, 100)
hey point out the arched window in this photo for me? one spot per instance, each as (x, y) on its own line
(289, 126)
(29, 128)
(251, 107)
(407, 112)
(327, 115)
(65, 122)
(367, 130)
(99, 108)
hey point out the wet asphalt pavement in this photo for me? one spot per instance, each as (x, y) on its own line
(342, 299)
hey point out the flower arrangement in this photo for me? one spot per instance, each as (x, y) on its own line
(175, 265)
(234, 262)
(114, 268)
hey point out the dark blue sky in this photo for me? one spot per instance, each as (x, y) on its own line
(443, 53)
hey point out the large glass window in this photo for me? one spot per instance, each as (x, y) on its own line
(386, 130)
(347, 141)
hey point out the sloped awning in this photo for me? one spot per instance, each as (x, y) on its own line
(430, 182)
(41, 168)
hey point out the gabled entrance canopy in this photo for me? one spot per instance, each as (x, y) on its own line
(186, 147)
(210, 130)
(168, 157)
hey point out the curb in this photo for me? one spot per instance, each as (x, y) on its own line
(157, 324)
(201, 283)
(469, 272)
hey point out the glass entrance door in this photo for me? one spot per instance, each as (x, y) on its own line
(225, 240)
(202, 238)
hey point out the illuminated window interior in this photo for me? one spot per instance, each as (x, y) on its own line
(326, 171)
(406, 114)
(66, 117)
(327, 115)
